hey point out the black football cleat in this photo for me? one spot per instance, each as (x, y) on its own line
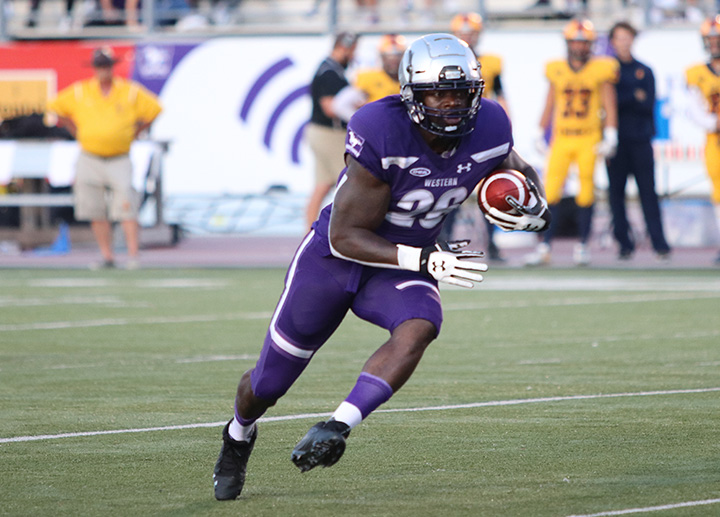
(323, 444)
(231, 466)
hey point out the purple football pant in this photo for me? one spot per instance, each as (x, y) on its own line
(319, 291)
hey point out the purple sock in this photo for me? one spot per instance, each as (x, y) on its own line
(369, 393)
(244, 421)
(241, 429)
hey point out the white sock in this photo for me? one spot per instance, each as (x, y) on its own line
(717, 214)
(348, 414)
(240, 433)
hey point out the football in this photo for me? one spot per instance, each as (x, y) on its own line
(494, 188)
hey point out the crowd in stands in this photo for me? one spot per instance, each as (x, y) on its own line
(193, 15)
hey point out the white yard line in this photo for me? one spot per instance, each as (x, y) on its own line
(215, 358)
(173, 283)
(648, 509)
(663, 282)
(589, 300)
(57, 325)
(521, 282)
(182, 360)
(68, 300)
(107, 322)
(596, 341)
(492, 403)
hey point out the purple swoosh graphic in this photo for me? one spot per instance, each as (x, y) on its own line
(300, 92)
(265, 78)
(295, 152)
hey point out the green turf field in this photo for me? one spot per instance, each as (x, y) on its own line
(549, 393)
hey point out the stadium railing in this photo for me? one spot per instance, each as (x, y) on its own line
(208, 18)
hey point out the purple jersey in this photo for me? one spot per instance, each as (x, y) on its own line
(425, 186)
(320, 288)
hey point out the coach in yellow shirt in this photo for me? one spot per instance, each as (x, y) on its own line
(105, 114)
(581, 108)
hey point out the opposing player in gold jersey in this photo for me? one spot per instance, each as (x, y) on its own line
(373, 84)
(581, 110)
(379, 83)
(703, 80)
(468, 27)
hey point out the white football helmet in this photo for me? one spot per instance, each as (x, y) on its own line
(440, 62)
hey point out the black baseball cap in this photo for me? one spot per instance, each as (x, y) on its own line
(346, 39)
(103, 57)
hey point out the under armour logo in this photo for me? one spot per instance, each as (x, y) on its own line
(464, 167)
(438, 266)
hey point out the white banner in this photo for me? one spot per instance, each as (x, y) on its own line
(234, 108)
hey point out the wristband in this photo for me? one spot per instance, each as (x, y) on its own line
(610, 134)
(408, 257)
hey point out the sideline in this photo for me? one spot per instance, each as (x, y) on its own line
(398, 410)
(651, 508)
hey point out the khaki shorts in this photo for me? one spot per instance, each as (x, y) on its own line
(103, 188)
(328, 145)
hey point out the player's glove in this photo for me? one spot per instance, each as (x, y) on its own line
(540, 143)
(535, 218)
(608, 144)
(445, 262)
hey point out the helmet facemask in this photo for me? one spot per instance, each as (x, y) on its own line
(579, 50)
(441, 63)
(710, 32)
(712, 45)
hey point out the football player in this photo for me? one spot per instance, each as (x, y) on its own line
(468, 27)
(411, 158)
(581, 105)
(703, 80)
(379, 83)
(373, 84)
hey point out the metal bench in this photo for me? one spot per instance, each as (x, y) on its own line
(40, 200)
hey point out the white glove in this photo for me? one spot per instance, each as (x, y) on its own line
(608, 144)
(443, 262)
(540, 143)
(535, 218)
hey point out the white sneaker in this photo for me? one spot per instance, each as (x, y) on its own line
(132, 264)
(102, 264)
(581, 255)
(541, 256)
